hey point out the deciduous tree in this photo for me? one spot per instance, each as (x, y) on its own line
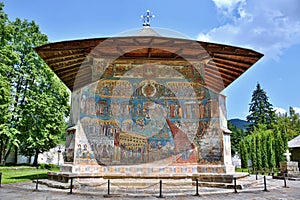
(37, 101)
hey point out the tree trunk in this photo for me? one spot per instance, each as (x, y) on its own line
(6, 154)
(29, 159)
(16, 155)
(35, 161)
(1, 152)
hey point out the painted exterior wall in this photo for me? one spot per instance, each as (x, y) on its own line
(147, 113)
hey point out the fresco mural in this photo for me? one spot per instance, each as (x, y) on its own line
(146, 113)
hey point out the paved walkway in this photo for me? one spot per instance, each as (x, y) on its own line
(171, 190)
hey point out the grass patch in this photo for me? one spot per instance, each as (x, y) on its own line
(251, 171)
(242, 170)
(21, 174)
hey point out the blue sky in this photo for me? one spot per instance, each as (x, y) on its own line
(271, 27)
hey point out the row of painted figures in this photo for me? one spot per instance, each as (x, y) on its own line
(123, 88)
(190, 110)
(106, 153)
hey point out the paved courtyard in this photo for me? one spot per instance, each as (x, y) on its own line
(171, 190)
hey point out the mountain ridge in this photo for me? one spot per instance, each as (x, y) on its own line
(239, 123)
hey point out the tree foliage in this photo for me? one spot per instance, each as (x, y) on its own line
(267, 138)
(261, 110)
(270, 150)
(265, 147)
(280, 145)
(244, 154)
(37, 102)
(290, 124)
(235, 138)
(264, 150)
(8, 133)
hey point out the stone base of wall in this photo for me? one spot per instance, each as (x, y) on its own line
(204, 173)
(168, 169)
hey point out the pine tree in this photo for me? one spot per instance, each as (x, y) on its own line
(261, 110)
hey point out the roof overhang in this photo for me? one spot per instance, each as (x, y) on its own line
(222, 64)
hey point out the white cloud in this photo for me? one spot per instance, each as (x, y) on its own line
(226, 3)
(228, 6)
(283, 111)
(280, 111)
(266, 26)
(297, 110)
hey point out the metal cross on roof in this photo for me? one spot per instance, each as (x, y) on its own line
(147, 18)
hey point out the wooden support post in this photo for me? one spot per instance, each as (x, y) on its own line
(234, 180)
(160, 189)
(265, 184)
(284, 179)
(0, 178)
(37, 183)
(71, 186)
(108, 187)
(197, 189)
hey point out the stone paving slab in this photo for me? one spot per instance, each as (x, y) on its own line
(25, 191)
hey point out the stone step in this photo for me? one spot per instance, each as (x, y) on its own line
(131, 183)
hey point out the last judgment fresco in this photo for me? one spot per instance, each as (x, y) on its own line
(146, 113)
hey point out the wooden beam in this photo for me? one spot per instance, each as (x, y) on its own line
(63, 67)
(217, 77)
(75, 74)
(54, 58)
(78, 78)
(214, 86)
(216, 71)
(227, 67)
(215, 80)
(223, 70)
(238, 58)
(67, 62)
(72, 71)
(232, 63)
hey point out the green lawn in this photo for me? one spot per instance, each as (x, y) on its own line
(259, 171)
(21, 174)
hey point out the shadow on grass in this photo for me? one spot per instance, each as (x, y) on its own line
(31, 177)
